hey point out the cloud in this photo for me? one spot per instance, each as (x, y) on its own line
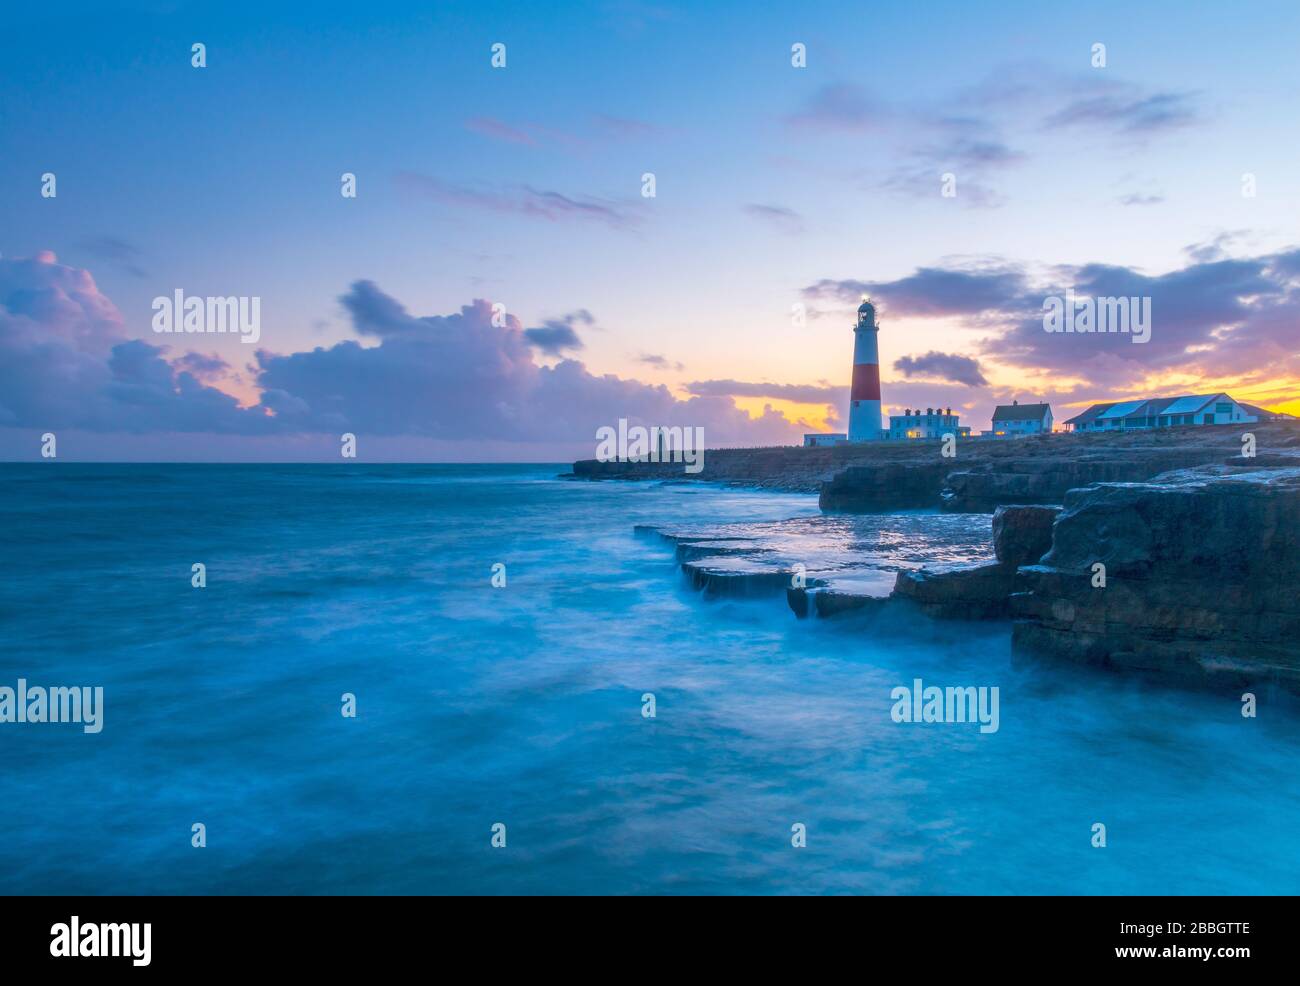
(969, 154)
(1091, 99)
(619, 127)
(1137, 198)
(930, 143)
(459, 376)
(925, 182)
(66, 362)
(490, 127)
(660, 362)
(799, 393)
(961, 132)
(208, 368)
(933, 291)
(900, 395)
(557, 335)
(1196, 311)
(973, 158)
(521, 200)
(1128, 114)
(943, 366)
(1216, 317)
(375, 313)
(785, 220)
(1215, 248)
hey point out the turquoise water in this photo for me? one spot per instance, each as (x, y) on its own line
(522, 705)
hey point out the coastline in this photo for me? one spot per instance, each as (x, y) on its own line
(1167, 552)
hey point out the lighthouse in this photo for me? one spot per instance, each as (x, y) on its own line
(864, 400)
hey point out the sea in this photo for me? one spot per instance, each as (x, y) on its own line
(543, 705)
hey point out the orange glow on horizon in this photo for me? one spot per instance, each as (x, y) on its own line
(815, 417)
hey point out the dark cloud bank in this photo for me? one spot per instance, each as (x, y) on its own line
(1216, 317)
(67, 362)
(457, 386)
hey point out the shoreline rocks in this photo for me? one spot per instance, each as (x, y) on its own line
(845, 595)
(1193, 574)
(1200, 577)
(984, 474)
(885, 487)
(977, 593)
(1017, 481)
(821, 565)
(1022, 534)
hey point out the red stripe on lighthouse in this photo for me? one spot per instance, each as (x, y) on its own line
(866, 382)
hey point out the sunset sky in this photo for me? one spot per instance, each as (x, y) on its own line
(777, 190)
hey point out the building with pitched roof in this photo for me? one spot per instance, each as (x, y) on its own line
(1015, 420)
(1264, 414)
(1167, 412)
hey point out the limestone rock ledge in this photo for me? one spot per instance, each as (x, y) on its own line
(884, 487)
(1202, 576)
(1040, 480)
(960, 593)
(1022, 534)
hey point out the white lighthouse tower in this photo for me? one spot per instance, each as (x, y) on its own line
(864, 399)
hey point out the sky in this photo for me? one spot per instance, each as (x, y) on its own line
(501, 285)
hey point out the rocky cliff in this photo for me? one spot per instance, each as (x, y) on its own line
(987, 474)
(886, 486)
(798, 470)
(1199, 575)
(1021, 536)
(1041, 480)
(982, 475)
